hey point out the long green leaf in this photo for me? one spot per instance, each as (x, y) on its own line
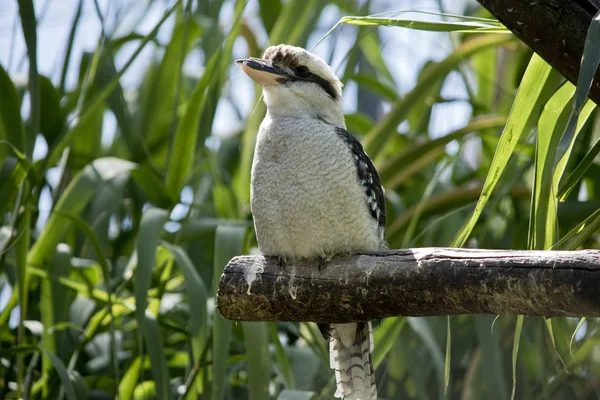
(29, 24)
(156, 350)
(151, 226)
(380, 134)
(88, 112)
(11, 126)
(589, 65)
(543, 207)
(229, 242)
(423, 329)
(53, 303)
(573, 179)
(515, 353)
(537, 80)
(256, 339)
(432, 26)
(75, 197)
(66, 383)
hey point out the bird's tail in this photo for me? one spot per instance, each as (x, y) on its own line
(350, 356)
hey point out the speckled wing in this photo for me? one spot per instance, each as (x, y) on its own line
(368, 177)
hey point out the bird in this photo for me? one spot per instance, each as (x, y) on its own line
(314, 192)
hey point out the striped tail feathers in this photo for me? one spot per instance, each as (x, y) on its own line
(350, 358)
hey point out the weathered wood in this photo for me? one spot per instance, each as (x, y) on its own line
(555, 29)
(413, 282)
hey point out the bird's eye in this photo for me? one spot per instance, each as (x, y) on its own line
(302, 71)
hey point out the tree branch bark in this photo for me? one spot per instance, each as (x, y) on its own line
(555, 29)
(413, 282)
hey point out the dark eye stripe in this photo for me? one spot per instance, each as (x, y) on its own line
(323, 83)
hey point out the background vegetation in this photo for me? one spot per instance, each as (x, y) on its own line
(119, 207)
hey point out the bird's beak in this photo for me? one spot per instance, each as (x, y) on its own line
(261, 71)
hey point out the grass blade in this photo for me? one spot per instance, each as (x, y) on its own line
(538, 78)
(432, 26)
(156, 351)
(229, 242)
(422, 328)
(283, 360)
(151, 226)
(491, 352)
(573, 179)
(73, 200)
(385, 336)
(66, 383)
(447, 363)
(515, 353)
(11, 126)
(543, 206)
(379, 135)
(29, 24)
(589, 65)
(581, 322)
(53, 306)
(578, 235)
(256, 339)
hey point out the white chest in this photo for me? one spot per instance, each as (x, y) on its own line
(305, 196)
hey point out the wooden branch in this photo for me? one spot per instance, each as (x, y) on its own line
(413, 282)
(555, 29)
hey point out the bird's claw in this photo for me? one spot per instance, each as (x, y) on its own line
(323, 263)
(282, 262)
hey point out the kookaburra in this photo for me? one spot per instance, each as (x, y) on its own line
(314, 191)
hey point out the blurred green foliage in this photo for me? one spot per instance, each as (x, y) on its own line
(110, 254)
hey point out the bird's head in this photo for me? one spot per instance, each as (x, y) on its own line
(297, 83)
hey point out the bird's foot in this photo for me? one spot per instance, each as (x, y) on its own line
(282, 262)
(323, 263)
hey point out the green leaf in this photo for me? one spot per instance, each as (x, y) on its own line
(491, 352)
(589, 65)
(581, 321)
(99, 99)
(130, 379)
(184, 143)
(22, 242)
(543, 207)
(151, 226)
(54, 303)
(229, 242)
(537, 80)
(515, 353)
(423, 329)
(73, 200)
(164, 94)
(399, 167)
(379, 135)
(29, 24)
(578, 173)
(13, 172)
(578, 235)
(385, 336)
(269, 12)
(195, 287)
(11, 126)
(156, 350)
(256, 340)
(283, 360)
(66, 383)
(52, 117)
(447, 363)
(477, 26)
